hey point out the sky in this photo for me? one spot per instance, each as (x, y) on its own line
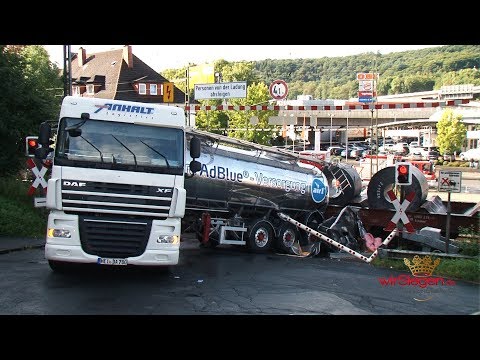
(161, 57)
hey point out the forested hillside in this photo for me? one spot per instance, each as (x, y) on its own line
(400, 72)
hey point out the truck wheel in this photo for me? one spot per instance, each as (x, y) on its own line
(287, 236)
(260, 238)
(312, 220)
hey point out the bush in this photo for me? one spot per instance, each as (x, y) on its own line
(465, 269)
(460, 269)
(18, 216)
(21, 220)
(455, 163)
(469, 245)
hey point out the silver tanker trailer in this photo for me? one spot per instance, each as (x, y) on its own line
(235, 197)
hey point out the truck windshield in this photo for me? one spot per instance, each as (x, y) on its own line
(121, 146)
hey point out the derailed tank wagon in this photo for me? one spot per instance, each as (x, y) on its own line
(243, 190)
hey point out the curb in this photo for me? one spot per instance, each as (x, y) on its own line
(25, 247)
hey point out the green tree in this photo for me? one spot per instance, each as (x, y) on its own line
(451, 132)
(397, 86)
(26, 75)
(236, 71)
(384, 85)
(211, 120)
(177, 76)
(41, 72)
(464, 76)
(257, 94)
(260, 133)
(407, 71)
(416, 83)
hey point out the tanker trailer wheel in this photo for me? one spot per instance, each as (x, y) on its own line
(312, 220)
(287, 236)
(260, 237)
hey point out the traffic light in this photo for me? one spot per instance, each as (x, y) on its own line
(403, 174)
(31, 144)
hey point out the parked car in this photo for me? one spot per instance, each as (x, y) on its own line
(336, 150)
(356, 152)
(432, 155)
(387, 147)
(472, 154)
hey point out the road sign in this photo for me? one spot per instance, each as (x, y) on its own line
(39, 174)
(168, 92)
(367, 85)
(450, 181)
(367, 76)
(400, 214)
(237, 89)
(278, 90)
(365, 97)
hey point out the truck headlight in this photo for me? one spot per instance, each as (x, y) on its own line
(59, 233)
(168, 239)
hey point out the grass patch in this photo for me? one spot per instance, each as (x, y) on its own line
(18, 216)
(457, 269)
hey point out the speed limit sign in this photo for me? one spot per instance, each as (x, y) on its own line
(278, 89)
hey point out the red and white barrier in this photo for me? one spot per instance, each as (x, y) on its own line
(337, 244)
(413, 105)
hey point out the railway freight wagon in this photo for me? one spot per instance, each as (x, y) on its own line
(241, 186)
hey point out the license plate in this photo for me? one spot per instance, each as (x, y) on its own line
(111, 261)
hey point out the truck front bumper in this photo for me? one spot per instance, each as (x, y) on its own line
(74, 253)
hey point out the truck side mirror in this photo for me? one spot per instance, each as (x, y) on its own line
(45, 134)
(42, 152)
(195, 147)
(74, 132)
(195, 166)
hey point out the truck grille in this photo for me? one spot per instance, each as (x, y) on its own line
(108, 237)
(119, 199)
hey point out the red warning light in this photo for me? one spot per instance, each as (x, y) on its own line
(31, 145)
(403, 174)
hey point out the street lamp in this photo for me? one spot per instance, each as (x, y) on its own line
(331, 126)
(293, 135)
(371, 138)
(346, 137)
(376, 136)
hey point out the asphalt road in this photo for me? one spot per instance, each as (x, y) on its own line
(223, 281)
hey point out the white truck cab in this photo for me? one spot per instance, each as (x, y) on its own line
(116, 193)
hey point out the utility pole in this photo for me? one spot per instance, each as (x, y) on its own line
(67, 70)
(187, 89)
